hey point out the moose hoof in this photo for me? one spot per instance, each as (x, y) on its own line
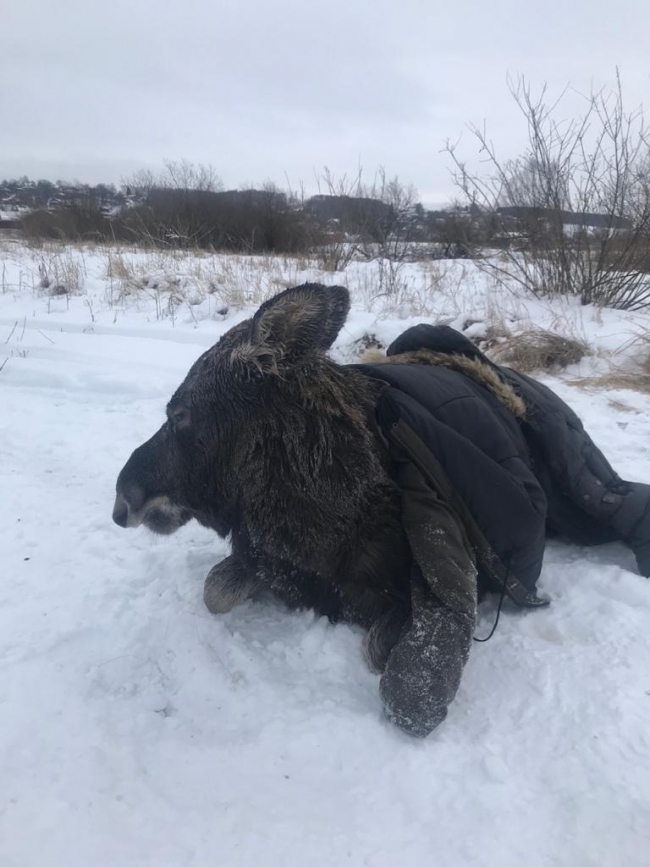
(382, 637)
(227, 585)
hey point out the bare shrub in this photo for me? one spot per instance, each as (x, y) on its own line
(538, 349)
(334, 253)
(338, 216)
(72, 222)
(380, 220)
(186, 207)
(573, 212)
(391, 282)
(68, 212)
(396, 231)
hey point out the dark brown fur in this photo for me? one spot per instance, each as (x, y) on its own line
(272, 443)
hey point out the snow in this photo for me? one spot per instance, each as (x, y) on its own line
(138, 729)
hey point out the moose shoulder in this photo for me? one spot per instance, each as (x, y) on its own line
(375, 494)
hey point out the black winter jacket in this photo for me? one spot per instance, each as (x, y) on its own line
(520, 478)
(482, 485)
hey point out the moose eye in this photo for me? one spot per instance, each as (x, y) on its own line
(179, 416)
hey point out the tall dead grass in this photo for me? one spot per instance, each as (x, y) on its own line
(192, 276)
(627, 380)
(61, 272)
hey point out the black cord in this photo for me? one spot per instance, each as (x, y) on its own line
(496, 622)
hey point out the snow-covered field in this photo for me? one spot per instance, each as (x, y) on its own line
(137, 729)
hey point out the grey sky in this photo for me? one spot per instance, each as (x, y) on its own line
(263, 90)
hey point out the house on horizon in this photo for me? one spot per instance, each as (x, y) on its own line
(572, 221)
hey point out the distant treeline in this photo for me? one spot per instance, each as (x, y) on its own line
(190, 209)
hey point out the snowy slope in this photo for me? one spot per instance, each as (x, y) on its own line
(137, 729)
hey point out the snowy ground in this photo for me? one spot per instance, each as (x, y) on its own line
(136, 729)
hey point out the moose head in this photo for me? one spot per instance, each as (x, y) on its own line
(266, 438)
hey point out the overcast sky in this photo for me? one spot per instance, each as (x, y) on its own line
(268, 90)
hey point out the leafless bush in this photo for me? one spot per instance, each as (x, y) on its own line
(391, 280)
(333, 253)
(244, 221)
(337, 217)
(182, 207)
(539, 350)
(396, 231)
(176, 175)
(186, 207)
(573, 213)
(355, 219)
(74, 221)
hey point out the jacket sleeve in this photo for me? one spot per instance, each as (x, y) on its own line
(425, 666)
(493, 492)
(579, 474)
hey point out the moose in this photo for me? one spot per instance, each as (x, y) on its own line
(390, 494)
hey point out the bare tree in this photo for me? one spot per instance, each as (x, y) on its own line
(397, 226)
(336, 239)
(186, 175)
(176, 175)
(173, 204)
(329, 184)
(376, 220)
(574, 209)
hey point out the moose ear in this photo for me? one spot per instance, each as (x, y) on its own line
(301, 319)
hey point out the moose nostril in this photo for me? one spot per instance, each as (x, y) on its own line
(121, 514)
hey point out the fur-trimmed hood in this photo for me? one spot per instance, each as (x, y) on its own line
(477, 369)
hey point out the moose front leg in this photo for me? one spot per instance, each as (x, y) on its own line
(383, 635)
(229, 583)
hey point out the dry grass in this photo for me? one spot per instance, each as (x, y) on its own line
(61, 273)
(123, 278)
(241, 281)
(636, 380)
(619, 406)
(188, 276)
(497, 334)
(538, 349)
(390, 289)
